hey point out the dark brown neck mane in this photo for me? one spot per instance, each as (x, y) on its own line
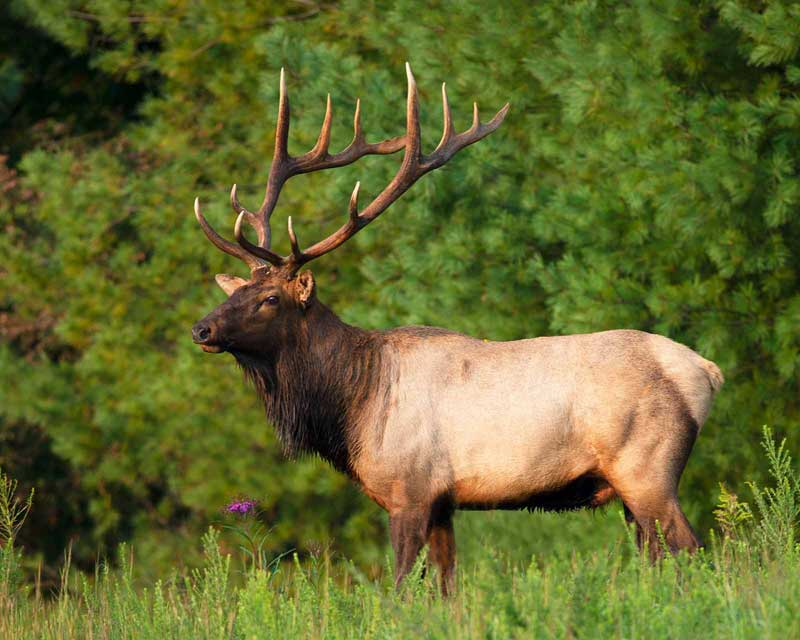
(316, 382)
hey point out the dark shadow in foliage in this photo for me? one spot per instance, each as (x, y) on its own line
(48, 94)
(61, 513)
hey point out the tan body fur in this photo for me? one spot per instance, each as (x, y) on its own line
(497, 422)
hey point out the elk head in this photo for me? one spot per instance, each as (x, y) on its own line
(261, 313)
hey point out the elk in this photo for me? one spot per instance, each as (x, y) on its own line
(427, 421)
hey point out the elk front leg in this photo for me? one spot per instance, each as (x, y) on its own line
(408, 530)
(442, 551)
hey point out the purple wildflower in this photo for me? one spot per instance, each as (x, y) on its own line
(242, 507)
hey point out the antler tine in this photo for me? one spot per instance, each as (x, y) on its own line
(320, 149)
(358, 135)
(260, 252)
(238, 208)
(218, 241)
(297, 255)
(353, 208)
(413, 136)
(447, 128)
(282, 125)
(235, 204)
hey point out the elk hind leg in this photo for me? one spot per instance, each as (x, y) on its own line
(408, 531)
(630, 519)
(646, 477)
(442, 549)
(660, 522)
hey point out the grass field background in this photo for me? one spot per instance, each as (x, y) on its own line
(744, 584)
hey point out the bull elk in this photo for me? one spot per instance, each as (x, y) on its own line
(426, 420)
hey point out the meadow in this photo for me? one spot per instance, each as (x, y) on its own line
(744, 584)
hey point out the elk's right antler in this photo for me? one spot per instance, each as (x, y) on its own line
(415, 164)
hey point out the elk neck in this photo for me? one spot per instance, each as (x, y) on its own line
(316, 384)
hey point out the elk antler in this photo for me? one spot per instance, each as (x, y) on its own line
(414, 165)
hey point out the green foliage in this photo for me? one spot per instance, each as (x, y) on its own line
(779, 506)
(730, 513)
(646, 177)
(13, 513)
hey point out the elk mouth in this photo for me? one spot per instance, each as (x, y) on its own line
(212, 348)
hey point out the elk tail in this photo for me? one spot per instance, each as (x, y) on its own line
(715, 377)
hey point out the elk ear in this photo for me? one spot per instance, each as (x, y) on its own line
(229, 284)
(305, 287)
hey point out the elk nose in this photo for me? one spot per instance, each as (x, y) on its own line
(201, 333)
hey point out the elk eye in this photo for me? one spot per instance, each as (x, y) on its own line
(271, 300)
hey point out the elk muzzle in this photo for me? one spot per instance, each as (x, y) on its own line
(204, 334)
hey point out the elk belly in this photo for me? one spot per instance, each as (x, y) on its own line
(511, 437)
(508, 459)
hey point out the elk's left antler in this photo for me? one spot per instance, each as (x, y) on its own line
(414, 165)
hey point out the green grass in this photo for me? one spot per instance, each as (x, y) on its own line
(745, 584)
